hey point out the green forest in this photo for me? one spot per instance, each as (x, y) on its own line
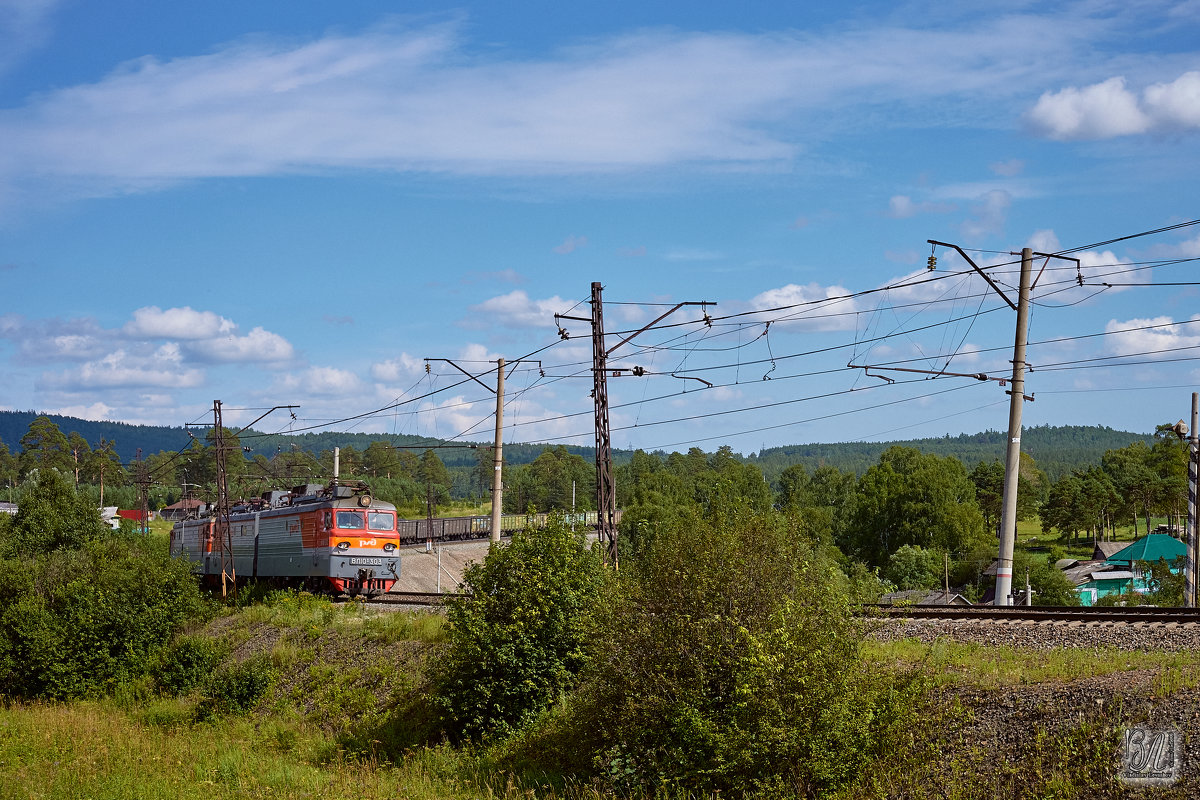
(106, 454)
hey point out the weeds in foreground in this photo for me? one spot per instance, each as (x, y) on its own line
(994, 666)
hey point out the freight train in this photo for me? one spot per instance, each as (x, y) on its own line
(446, 529)
(331, 539)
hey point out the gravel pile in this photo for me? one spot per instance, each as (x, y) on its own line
(1043, 635)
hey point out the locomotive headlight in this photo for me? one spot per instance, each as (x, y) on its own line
(389, 547)
(343, 546)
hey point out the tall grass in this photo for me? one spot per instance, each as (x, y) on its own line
(996, 666)
(99, 751)
(305, 612)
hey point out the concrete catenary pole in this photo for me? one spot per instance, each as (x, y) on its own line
(1189, 562)
(497, 477)
(1012, 459)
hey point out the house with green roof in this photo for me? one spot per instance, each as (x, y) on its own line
(1148, 548)
(1119, 573)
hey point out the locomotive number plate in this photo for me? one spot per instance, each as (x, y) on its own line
(371, 561)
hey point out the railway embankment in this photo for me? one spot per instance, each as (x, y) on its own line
(1045, 635)
(1039, 706)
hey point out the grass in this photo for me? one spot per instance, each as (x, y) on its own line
(312, 615)
(99, 751)
(993, 666)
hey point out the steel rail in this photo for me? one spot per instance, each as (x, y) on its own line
(1085, 614)
(414, 598)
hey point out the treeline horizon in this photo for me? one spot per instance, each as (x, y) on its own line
(1059, 450)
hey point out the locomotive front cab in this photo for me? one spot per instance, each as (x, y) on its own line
(364, 555)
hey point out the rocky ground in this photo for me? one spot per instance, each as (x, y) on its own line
(1004, 741)
(1169, 637)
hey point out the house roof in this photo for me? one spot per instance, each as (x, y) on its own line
(1105, 549)
(1113, 575)
(1082, 572)
(182, 505)
(926, 597)
(1151, 547)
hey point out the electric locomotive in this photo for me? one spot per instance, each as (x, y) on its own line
(332, 539)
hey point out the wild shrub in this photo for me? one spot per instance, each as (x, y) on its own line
(730, 662)
(185, 663)
(51, 516)
(237, 688)
(78, 623)
(519, 641)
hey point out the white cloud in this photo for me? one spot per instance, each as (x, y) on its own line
(122, 369)
(902, 207)
(812, 315)
(1008, 169)
(1099, 111)
(153, 322)
(1157, 337)
(321, 382)
(1176, 103)
(990, 214)
(258, 346)
(24, 26)
(515, 310)
(1108, 109)
(423, 98)
(96, 411)
(208, 337)
(1189, 248)
(477, 355)
(401, 367)
(43, 341)
(1107, 267)
(1044, 241)
(571, 244)
(902, 256)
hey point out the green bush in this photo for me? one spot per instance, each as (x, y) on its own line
(730, 662)
(518, 642)
(51, 516)
(237, 688)
(185, 663)
(78, 623)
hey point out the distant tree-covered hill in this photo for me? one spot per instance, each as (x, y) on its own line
(127, 438)
(156, 438)
(1056, 449)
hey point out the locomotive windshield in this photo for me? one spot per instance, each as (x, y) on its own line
(352, 520)
(381, 521)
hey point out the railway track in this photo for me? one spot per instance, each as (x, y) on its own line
(1136, 615)
(413, 598)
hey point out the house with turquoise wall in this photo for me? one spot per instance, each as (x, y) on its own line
(1120, 573)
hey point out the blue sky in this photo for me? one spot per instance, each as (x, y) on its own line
(296, 203)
